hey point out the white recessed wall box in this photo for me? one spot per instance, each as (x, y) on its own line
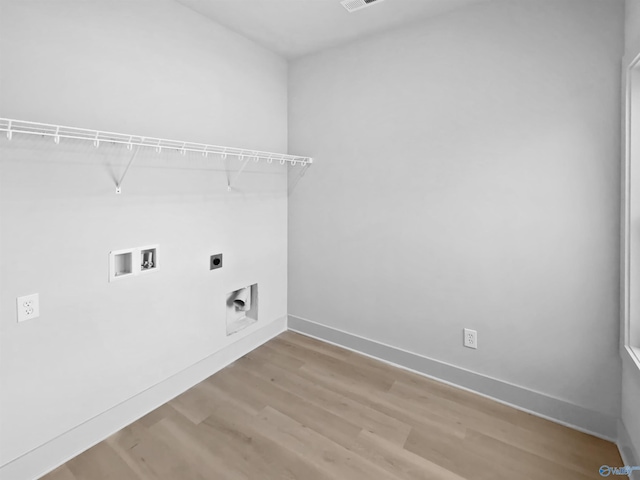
(354, 5)
(130, 262)
(242, 308)
(148, 258)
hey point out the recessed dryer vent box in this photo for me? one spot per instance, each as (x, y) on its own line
(242, 308)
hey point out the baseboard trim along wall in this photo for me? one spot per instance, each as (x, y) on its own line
(550, 408)
(47, 457)
(627, 450)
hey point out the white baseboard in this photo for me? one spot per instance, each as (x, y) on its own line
(536, 403)
(628, 452)
(54, 453)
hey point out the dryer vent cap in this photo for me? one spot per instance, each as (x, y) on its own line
(353, 5)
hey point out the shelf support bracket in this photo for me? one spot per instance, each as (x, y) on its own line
(296, 179)
(229, 183)
(124, 174)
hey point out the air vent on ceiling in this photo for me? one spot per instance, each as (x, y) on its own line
(353, 5)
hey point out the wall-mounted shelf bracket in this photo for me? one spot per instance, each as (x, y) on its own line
(296, 179)
(244, 164)
(124, 174)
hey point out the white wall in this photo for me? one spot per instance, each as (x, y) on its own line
(632, 26)
(144, 67)
(630, 371)
(467, 175)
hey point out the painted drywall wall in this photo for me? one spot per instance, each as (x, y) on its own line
(144, 67)
(467, 175)
(632, 27)
(630, 371)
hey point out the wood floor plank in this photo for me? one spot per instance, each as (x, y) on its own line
(195, 404)
(381, 401)
(399, 461)
(297, 408)
(523, 464)
(257, 448)
(156, 415)
(210, 454)
(101, 462)
(354, 412)
(453, 457)
(240, 393)
(150, 457)
(376, 378)
(309, 343)
(329, 456)
(277, 357)
(300, 409)
(61, 473)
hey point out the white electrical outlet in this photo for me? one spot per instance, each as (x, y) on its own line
(28, 307)
(470, 338)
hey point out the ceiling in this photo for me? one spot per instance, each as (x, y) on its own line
(293, 28)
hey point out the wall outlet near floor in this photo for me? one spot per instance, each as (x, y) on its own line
(470, 338)
(28, 307)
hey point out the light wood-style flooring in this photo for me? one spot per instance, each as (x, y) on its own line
(297, 408)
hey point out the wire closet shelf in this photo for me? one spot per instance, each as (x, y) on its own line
(12, 126)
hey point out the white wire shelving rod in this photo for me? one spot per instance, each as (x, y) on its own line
(12, 126)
